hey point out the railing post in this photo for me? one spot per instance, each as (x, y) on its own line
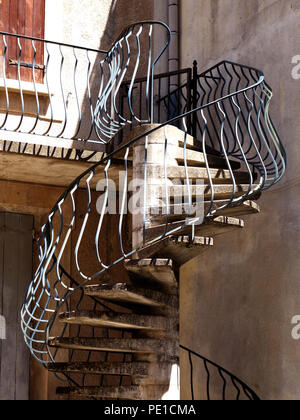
(189, 99)
(194, 97)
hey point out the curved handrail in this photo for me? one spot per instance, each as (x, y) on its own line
(233, 119)
(120, 62)
(233, 386)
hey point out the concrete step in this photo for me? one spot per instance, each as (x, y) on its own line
(158, 274)
(210, 228)
(180, 249)
(176, 151)
(141, 372)
(133, 297)
(196, 158)
(182, 193)
(102, 368)
(133, 392)
(218, 176)
(120, 321)
(180, 211)
(194, 144)
(136, 346)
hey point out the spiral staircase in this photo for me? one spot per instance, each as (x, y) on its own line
(107, 337)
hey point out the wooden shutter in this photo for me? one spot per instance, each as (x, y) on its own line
(23, 18)
(15, 275)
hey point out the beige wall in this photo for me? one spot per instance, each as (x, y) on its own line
(239, 299)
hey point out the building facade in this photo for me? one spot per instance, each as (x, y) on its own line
(238, 300)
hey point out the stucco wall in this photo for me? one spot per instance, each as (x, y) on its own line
(238, 300)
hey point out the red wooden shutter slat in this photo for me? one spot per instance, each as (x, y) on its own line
(25, 28)
(13, 50)
(38, 13)
(4, 21)
(38, 31)
(4, 15)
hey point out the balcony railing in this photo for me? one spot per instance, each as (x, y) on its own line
(62, 95)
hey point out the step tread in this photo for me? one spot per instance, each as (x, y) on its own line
(103, 368)
(127, 294)
(140, 372)
(210, 228)
(177, 138)
(158, 273)
(195, 158)
(179, 248)
(180, 211)
(221, 176)
(113, 345)
(205, 192)
(117, 320)
(133, 392)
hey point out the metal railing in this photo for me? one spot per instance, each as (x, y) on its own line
(57, 91)
(168, 102)
(215, 382)
(234, 127)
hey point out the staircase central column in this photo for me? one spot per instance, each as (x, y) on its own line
(152, 155)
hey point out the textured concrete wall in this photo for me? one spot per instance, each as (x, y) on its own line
(239, 299)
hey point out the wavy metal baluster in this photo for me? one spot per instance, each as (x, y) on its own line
(149, 84)
(49, 92)
(76, 95)
(124, 202)
(237, 389)
(211, 185)
(20, 85)
(207, 380)
(145, 190)
(133, 77)
(167, 198)
(191, 375)
(35, 90)
(62, 60)
(103, 211)
(5, 82)
(224, 384)
(83, 227)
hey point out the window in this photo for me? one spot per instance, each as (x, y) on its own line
(23, 17)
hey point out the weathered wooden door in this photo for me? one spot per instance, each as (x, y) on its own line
(15, 274)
